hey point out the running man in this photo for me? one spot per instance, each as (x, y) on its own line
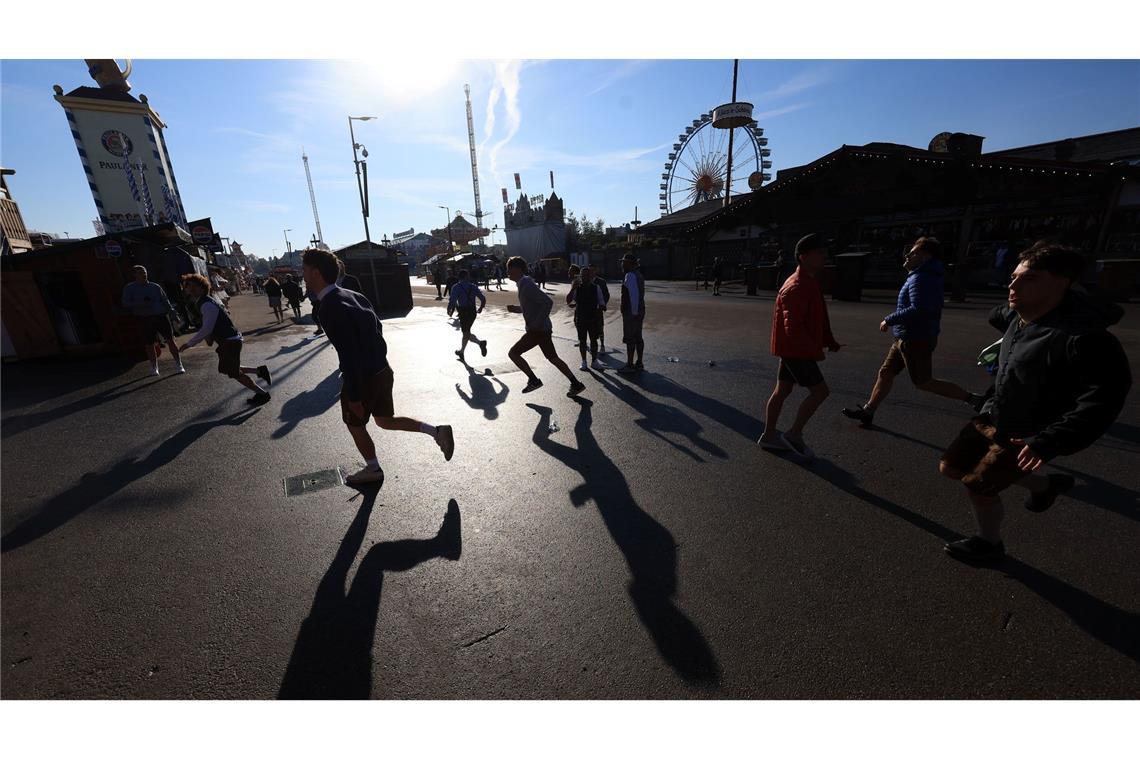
(366, 377)
(632, 314)
(801, 330)
(462, 299)
(217, 327)
(1061, 382)
(149, 304)
(535, 307)
(915, 324)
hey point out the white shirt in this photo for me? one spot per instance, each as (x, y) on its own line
(634, 293)
(210, 312)
(325, 291)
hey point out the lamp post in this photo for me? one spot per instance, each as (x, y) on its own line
(288, 245)
(450, 244)
(361, 184)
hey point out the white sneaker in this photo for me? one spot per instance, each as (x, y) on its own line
(180, 370)
(583, 366)
(597, 365)
(154, 370)
(365, 475)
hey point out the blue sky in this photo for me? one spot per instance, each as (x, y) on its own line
(236, 129)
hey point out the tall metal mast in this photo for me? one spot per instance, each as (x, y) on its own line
(312, 197)
(474, 165)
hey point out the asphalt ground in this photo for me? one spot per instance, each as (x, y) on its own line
(634, 544)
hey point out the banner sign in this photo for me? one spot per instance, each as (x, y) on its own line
(505, 199)
(518, 182)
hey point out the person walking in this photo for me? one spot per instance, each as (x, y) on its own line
(499, 275)
(632, 314)
(915, 324)
(151, 308)
(218, 328)
(717, 273)
(437, 280)
(801, 330)
(366, 377)
(589, 307)
(463, 297)
(535, 307)
(1061, 381)
(605, 303)
(273, 293)
(292, 292)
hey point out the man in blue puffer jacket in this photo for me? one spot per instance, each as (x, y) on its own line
(915, 324)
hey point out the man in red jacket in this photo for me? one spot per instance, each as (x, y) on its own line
(800, 332)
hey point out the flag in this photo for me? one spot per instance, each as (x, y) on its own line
(551, 179)
(518, 182)
(505, 199)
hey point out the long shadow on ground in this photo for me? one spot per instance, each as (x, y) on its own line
(1119, 629)
(18, 423)
(311, 403)
(95, 487)
(483, 395)
(730, 417)
(332, 658)
(649, 549)
(658, 419)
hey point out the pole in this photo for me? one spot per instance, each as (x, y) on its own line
(728, 181)
(359, 186)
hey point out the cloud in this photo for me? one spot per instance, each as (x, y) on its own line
(764, 115)
(626, 69)
(804, 80)
(506, 84)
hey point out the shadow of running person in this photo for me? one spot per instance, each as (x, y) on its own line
(483, 394)
(332, 658)
(1105, 622)
(311, 403)
(95, 487)
(658, 419)
(649, 549)
(731, 417)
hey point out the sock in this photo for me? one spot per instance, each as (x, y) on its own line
(373, 464)
(1035, 482)
(426, 428)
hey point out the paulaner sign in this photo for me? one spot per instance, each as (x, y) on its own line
(123, 152)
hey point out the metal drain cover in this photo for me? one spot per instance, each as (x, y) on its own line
(313, 481)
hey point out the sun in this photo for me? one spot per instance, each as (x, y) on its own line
(396, 80)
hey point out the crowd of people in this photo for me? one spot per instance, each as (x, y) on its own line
(1060, 378)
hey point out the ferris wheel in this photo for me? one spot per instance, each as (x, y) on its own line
(697, 166)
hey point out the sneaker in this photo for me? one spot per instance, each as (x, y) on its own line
(975, 549)
(154, 370)
(532, 385)
(483, 347)
(859, 413)
(365, 475)
(576, 387)
(1058, 484)
(597, 365)
(446, 440)
(775, 444)
(263, 373)
(180, 370)
(628, 369)
(258, 399)
(798, 447)
(583, 366)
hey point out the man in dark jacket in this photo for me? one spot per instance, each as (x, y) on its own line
(915, 324)
(366, 378)
(1061, 381)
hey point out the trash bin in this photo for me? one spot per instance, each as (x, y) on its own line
(848, 284)
(1116, 278)
(751, 279)
(767, 277)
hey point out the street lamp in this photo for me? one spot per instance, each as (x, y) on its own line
(450, 244)
(361, 184)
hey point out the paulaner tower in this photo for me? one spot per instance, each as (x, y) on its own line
(124, 155)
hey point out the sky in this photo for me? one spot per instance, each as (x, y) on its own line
(236, 129)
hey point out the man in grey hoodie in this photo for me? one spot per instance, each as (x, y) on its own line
(535, 307)
(1062, 379)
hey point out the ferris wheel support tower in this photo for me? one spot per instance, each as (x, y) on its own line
(474, 164)
(312, 197)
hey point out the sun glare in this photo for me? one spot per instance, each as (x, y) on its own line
(399, 81)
